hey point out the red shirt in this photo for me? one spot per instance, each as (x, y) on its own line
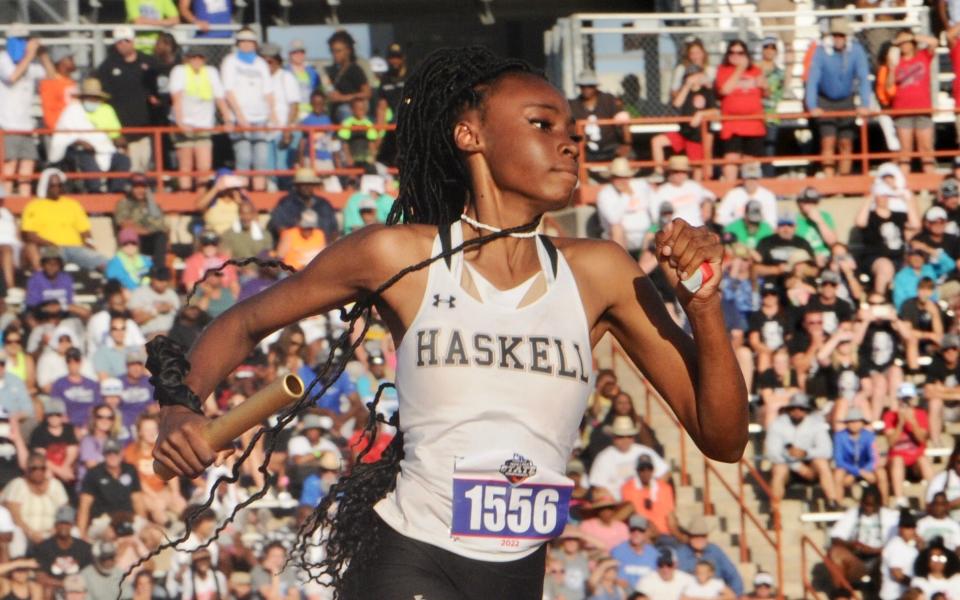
(358, 442)
(906, 442)
(745, 99)
(912, 77)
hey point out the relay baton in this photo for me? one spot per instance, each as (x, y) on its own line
(695, 281)
(221, 432)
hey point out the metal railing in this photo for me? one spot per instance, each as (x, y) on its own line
(808, 588)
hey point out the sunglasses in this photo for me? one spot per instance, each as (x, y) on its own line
(735, 52)
(13, 340)
(107, 417)
(118, 329)
(37, 468)
(939, 558)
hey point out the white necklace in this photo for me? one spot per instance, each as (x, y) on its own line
(470, 221)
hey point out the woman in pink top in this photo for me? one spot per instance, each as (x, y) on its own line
(909, 89)
(741, 87)
(604, 519)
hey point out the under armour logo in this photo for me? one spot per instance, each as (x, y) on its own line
(419, 597)
(449, 301)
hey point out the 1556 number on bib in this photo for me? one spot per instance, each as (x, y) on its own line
(498, 509)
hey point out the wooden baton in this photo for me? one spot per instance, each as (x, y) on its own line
(221, 432)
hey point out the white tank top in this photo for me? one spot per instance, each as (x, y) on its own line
(491, 398)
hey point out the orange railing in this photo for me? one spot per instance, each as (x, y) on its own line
(736, 493)
(863, 155)
(808, 588)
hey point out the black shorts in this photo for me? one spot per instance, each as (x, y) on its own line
(407, 569)
(745, 145)
(844, 127)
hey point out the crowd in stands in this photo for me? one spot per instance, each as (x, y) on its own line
(850, 350)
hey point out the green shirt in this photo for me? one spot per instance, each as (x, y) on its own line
(105, 118)
(807, 231)
(149, 9)
(351, 211)
(739, 230)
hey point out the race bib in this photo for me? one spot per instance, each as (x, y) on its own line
(514, 502)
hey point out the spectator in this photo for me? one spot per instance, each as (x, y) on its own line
(741, 87)
(706, 585)
(102, 427)
(915, 271)
(602, 519)
(247, 237)
(694, 59)
(943, 382)
(697, 549)
(616, 464)
(55, 437)
(10, 244)
(359, 146)
(88, 138)
(694, 99)
(111, 392)
(137, 389)
(155, 304)
(305, 449)
(938, 524)
(637, 556)
(603, 142)
(249, 89)
(78, 393)
(798, 442)
(109, 359)
(130, 78)
(780, 253)
(907, 430)
(943, 247)
(651, 499)
(778, 81)
(389, 96)
(241, 586)
(197, 94)
(306, 76)
(128, 266)
(271, 578)
(734, 203)
(138, 210)
(214, 296)
(936, 571)
(855, 453)
(750, 228)
(344, 80)
(286, 214)
(623, 206)
(103, 576)
(858, 537)
(53, 360)
(767, 328)
(836, 311)
(19, 77)
(763, 586)
(909, 89)
(61, 555)
(161, 498)
(286, 107)
(319, 147)
(221, 202)
(604, 584)
(159, 14)
(209, 257)
(204, 13)
(667, 582)
(201, 579)
(50, 284)
(58, 88)
(899, 555)
(373, 188)
(108, 488)
(682, 193)
(777, 385)
(18, 580)
(837, 75)
(948, 482)
(20, 365)
(98, 327)
(815, 225)
(879, 350)
(574, 561)
(948, 198)
(922, 322)
(34, 500)
(15, 399)
(60, 222)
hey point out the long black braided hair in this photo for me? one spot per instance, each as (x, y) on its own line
(435, 186)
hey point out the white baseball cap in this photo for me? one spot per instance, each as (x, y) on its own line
(123, 32)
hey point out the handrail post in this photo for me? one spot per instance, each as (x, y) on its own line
(803, 566)
(14, 187)
(707, 168)
(158, 158)
(311, 144)
(707, 504)
(778, 537)
(582, 143)
(864, 146)
(744, 555)
(684, 476)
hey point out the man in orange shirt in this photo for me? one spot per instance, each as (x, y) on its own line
(652, 499)
(162, 498)
(56, 92)
(298, 245)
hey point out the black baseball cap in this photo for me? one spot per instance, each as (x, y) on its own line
(769, 288)
(394, 50)
(809, 194)
(160, 273)
(950, 188)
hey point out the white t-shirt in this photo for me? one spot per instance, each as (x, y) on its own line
(8, 228)
(196, 111)
(612, 468)
(632, 211)
(946, 528)
(98, 330)
(930, 586)
(947, 482)
(713, 588)
(735, 201)
(146, 298)
(16, 98)
(873, 531)
(206, 587)
(654, 586)
(897, 554)
(684, 198)
(251, 85)
(953, 11)
(299, 445)
(286, 90)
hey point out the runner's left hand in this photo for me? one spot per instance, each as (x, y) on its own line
(681, 249)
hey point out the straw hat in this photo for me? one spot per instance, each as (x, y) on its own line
(92, 88)
(306, 175)
(622, 427)
(620, 167)
(678, 162)
(602, 498)
(696, 525)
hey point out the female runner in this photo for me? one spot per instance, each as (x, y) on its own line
(493, 342)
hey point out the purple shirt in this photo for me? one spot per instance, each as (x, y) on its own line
(79, 397)
(254, 286)
(40, 288)
(91, 448)
(137, 396)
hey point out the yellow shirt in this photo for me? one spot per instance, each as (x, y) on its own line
(62, 222)
(222, 215)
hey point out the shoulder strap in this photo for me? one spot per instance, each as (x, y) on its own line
(551, 252)
(444, 232)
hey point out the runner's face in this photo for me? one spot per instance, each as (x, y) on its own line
(524, 135)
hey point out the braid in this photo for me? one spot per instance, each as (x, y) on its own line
(434, 187)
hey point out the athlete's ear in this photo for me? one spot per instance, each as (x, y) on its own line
(466, 135)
